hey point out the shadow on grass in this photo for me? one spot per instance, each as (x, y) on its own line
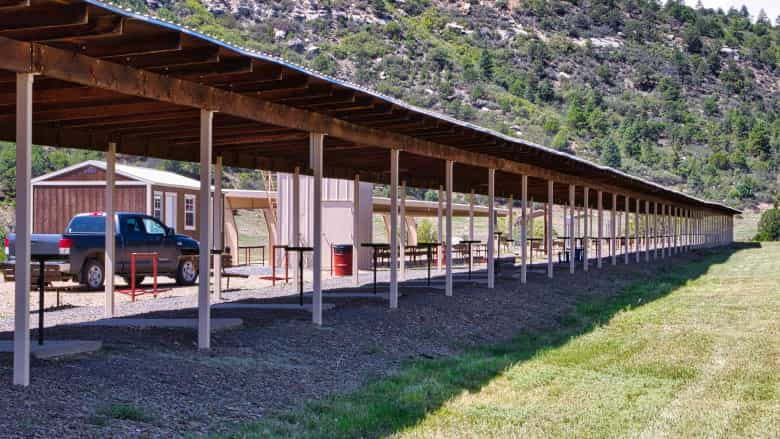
(389, 405)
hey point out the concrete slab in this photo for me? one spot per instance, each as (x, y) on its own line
(55, 348)
(271, 306)
(353, 295)
(216, 324)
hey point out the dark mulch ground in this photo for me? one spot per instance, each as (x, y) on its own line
(167, 388)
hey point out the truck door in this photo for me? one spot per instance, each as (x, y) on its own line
(133, 240)
(160, 241)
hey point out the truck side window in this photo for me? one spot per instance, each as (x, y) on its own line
(153, 227)
(132, 227)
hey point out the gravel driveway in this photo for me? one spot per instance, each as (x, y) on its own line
(277, 359)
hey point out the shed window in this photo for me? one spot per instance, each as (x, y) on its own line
(189, 212)
(157, 206)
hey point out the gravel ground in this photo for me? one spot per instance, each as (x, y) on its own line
(277, 360)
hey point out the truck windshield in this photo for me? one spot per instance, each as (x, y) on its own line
(87, 224)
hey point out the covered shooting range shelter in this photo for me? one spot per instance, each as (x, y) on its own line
(87, 74)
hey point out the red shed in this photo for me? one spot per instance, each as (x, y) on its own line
(59, 195)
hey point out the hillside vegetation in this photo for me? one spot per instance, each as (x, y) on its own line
(685, 96)
(688, 97)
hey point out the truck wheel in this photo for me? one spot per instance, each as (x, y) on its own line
(92, 274)
(138, 280)
(186, 273)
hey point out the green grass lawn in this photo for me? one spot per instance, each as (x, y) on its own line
(693, 352)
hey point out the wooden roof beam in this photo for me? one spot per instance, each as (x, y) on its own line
(124, 45)
(183, 57)
(13, 4)
(38, 17)
(104, 26)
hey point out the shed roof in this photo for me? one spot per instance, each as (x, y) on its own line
(144, 175)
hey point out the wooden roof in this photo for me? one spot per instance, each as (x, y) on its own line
(107, 74)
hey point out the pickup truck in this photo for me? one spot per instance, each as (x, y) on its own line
(82, 247)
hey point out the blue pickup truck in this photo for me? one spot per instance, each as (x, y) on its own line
(82, 247)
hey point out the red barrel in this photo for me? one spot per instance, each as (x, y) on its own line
(342, 260)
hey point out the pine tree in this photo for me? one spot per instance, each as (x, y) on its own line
(486, 64)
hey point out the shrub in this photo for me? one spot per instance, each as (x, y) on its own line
(769, 226)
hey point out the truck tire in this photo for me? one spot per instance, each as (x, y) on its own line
(92, 274)
(186, 273)
(138, 280)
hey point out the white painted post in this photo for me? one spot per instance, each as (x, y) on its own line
(613, 230)
(204, 205)
(586, 236)
(439, 248)
(647, 231)
(669, 230)
(637, 244)
(110, 231)
(627, 233)
(600, 207)
(217, 221)
(655, 230)
(549, 243)
(316, 145)
(523, 228)
(24, 89)
(448, 182)
(510, 221)
(491, 260)
(296, 224)
(402, 234)
(471, 224)
(573, 250)
(530, 224)
(356, 230)
(394, 156)
(676, 230)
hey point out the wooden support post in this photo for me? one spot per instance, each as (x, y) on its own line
(110, 232)
(523, 228)
(448, 249)
(613, 230)
(316, 145)
(440, 241)
(356, 231)
(394, 157)
(491, 250)
(586, 236)
(600, 219)
(218, 225)
(549, 237)
(24, 99)
(204, 205)
(573, 250)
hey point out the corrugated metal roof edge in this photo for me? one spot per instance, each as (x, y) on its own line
(270, 58)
